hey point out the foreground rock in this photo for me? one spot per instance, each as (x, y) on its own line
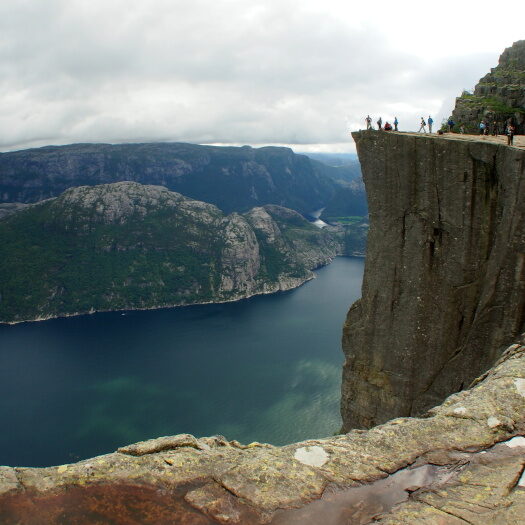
(444, 283)
(339, 480)
(129, 246)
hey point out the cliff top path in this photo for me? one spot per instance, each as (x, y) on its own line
(519, 140)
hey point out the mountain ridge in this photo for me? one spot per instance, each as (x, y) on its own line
(232, 178)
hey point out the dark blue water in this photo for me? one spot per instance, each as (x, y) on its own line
(264, 369)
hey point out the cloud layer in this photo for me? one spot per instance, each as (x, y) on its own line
(227, 71)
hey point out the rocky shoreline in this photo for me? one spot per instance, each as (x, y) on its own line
(280, 288)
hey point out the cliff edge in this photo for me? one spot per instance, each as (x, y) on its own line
(465, 463)
(444, 283)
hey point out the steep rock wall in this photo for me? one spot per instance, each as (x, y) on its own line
(444, 283)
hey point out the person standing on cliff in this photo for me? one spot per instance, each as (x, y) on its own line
(379, 123)
(368, 121)
(482, 127)
(430, 122)
(495, 129)
(396, 122)
(451, 124)
(510, 134)
(423, 126)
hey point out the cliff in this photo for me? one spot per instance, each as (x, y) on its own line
(498, 96)
(465, 463)
(444, 283)
(129, 246)
(234, 179)
(443, 291)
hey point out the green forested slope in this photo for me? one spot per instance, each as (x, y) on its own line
(125, 245)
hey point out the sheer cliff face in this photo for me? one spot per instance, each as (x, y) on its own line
(444, 284)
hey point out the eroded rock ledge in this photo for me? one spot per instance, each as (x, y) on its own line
(182, 479)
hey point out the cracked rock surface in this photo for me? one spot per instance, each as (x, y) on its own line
(454, 472)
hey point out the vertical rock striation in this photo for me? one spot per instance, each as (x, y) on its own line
(444, 284)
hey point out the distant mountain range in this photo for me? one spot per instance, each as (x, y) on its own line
(349, 161)
(234, 179)
(126, 246)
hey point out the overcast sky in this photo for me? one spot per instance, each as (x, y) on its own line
(295, 72)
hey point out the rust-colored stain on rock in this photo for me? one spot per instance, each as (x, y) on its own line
(100, 505)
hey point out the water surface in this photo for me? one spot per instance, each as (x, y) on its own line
(263, 369)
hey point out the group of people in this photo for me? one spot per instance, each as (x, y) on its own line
(387, 126)
(509, 129)
(423, 125)
(493, 129)
(484, 127)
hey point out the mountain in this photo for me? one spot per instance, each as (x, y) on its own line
(498, 96)
(347, 164)
(8, 208)
(234, 179)
(127, 245)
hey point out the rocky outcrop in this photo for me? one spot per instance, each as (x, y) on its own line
(498, 96)
(8, 208)
(461, 463)
(444, 283)
(129, 246)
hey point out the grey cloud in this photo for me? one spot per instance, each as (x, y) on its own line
(201, 72)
